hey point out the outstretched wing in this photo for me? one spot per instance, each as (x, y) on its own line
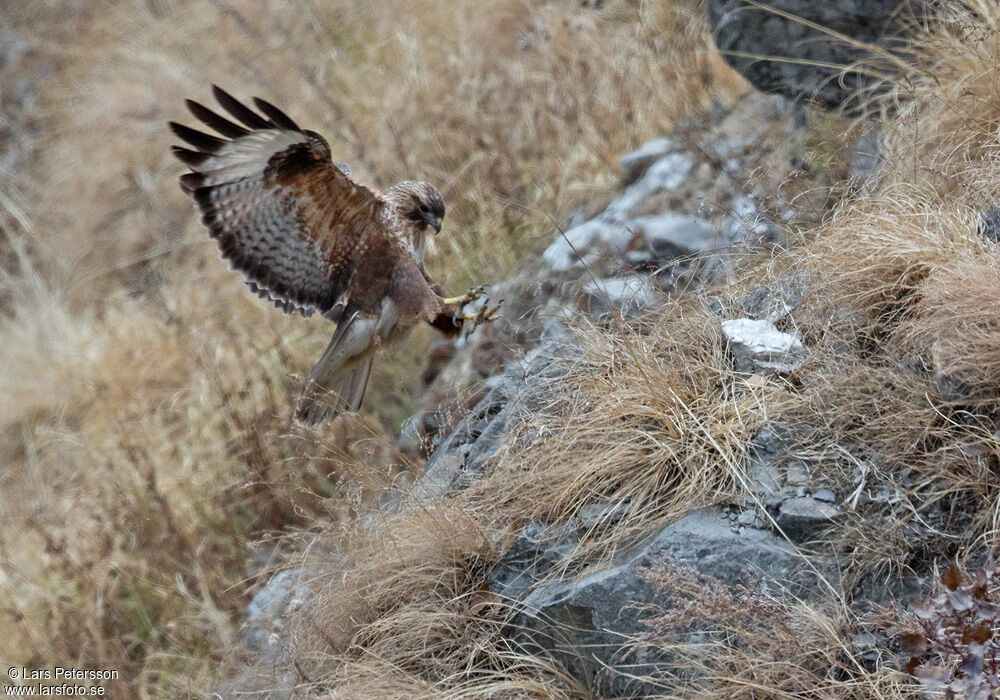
(284, 214)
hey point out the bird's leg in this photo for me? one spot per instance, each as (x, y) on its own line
(470, 296)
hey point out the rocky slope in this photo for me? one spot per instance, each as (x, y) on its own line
(683, 212)
(692, 208)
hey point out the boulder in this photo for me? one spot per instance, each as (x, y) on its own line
(759, 347)
(867, 160)
(748, 227)
(672, 235)
(803, 55)
(522, 387)
(598, 614)
(591, 238)
(667, 174)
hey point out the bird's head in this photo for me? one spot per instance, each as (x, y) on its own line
(419, 204)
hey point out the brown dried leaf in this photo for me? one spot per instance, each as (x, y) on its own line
(952, 578)
(980, 634)
(913, 643)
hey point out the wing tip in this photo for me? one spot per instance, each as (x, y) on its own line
(277, 116)
(238, 110)
(204, 143)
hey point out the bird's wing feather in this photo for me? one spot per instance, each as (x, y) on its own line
(284, 214)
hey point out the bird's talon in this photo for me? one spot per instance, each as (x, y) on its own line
(476, 293)
(484, 315)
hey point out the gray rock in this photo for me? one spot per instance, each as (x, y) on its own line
(601, 514)
(586, 622)
(989, 224)
(757, 346)
(825, 495)
(748, 227)
(672, 235)
(803, 518)
(635, 163)
(778, 300)
(951, 385)
(616, 230)
(665, 175)
(264, 629)
(535, 550)
(591, 238)
(797, 474)
(619, 297)
(463, 455)
(867, 159)
(771, 441)
(747, 35)
(763, 478)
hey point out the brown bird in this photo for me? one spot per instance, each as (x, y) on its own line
(312, 240)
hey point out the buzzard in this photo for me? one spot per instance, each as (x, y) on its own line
(310, 239)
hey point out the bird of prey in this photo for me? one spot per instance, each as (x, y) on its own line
(310, 239)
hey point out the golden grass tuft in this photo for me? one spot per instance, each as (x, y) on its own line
(403, 582)
(957, 318)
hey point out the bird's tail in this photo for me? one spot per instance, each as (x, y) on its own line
(337, 383)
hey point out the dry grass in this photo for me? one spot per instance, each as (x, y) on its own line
(412, 582)
(652, 418)
(146, 396)
(760, 646)
(404, 606)
(145, 420)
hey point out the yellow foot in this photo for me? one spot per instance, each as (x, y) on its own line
(472, 295)
(484, 315)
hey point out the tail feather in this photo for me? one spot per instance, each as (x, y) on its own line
(337, 383)
(334, 393)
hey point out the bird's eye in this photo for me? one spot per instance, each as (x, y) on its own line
(424, 208)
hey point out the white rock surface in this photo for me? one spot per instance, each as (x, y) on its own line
(665, 175)
(758, 346)
(266, 614)
(672, 234)
(612, 231)
(746, 225)
(591, 237)
(645, 155)
(625, 296)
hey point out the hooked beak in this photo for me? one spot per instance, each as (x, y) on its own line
(434, 222)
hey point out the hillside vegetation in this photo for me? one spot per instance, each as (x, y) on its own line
(154, 479)
(149, 456)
